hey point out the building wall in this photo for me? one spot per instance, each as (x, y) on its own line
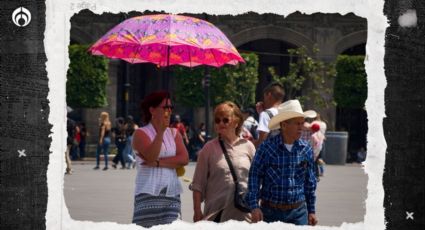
(331, 33)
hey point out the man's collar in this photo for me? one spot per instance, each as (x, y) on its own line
(280, 141)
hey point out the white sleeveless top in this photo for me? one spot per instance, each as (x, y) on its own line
(152, 179)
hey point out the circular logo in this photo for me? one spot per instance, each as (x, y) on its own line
(21, 17)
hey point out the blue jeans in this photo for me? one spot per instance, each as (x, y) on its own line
(74, 152)
(297, 216)
(82, 148)
(103, 148)
(128, 152)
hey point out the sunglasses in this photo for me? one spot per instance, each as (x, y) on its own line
(218, 120)
(170, 107)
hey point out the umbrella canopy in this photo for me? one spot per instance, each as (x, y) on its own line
(165, 40)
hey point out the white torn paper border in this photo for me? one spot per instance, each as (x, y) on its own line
(57, 37)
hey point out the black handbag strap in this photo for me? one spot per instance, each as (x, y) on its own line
(229, 162)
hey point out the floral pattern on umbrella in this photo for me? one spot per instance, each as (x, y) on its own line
(165, 40)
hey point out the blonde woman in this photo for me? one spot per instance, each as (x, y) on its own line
(212, 181)
(104, 139)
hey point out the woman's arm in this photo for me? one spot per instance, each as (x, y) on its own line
(201, 138)
(200, 181)
(146, 149)
(102, 133)
(197, 212)
(180, 159)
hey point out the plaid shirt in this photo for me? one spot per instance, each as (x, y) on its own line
(306, 135)
(284, 177)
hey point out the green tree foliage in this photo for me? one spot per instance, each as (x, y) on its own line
(351, 82)
(234, 83)
(87, 77)
(188, 89)
(306, 71)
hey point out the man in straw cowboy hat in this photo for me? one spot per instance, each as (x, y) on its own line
(282, 183)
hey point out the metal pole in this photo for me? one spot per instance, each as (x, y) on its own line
(207, 102)
(126, 89)
(166, 78)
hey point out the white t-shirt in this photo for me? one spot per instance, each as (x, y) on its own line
(289, 147)
(264, 119)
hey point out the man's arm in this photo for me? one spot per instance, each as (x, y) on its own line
(255, 176)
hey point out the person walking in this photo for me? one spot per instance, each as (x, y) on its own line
(212, 181)
(104, 139)
(82, 145)
(128, 154)
(282, 172)
(70, 128)
(159, 151)
(75, 143)
(120, 142)
(198, 141)
(179, 125)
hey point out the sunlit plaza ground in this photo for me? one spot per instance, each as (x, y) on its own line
(98, 195)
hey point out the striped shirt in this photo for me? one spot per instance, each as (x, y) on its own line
(280, 176)
(152, 180)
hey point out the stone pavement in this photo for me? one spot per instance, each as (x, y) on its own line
(98, 195)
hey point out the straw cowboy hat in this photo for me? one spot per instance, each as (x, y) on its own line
(288, 110)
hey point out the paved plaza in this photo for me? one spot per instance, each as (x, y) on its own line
(98, 195)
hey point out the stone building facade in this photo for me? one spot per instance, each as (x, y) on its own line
(269, 35)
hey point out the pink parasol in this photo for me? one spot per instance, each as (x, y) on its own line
(165, 40)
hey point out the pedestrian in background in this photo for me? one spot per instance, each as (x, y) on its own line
(105, 127)
(179, 125)
(198, 141)
(320, 163)
(130, 127)
(82, 145)
(70, 129)
(317, 139)
(159, 151)
(273, 96)
(75, 143)
(120, 138)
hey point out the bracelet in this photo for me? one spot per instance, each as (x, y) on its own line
(157, 163)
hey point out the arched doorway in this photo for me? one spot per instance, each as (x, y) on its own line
(353, 120)
(271, 53)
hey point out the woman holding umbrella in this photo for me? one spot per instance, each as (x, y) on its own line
(159, 151)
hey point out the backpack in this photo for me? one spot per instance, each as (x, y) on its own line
(253, 131)
(274, 132)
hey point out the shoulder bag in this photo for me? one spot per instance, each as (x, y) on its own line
(239, 196)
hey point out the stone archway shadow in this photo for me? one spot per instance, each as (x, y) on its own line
(350, 40)
(271, 32)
